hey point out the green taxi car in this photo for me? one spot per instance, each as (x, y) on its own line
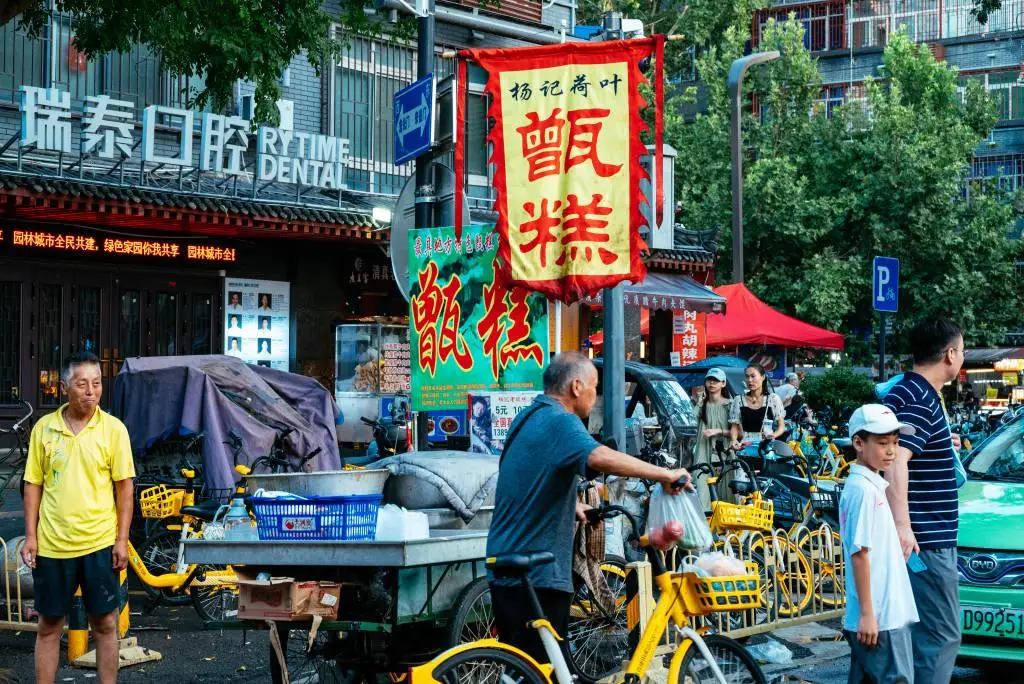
(990, 549)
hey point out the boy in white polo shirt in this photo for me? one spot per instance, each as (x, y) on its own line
(879, 600)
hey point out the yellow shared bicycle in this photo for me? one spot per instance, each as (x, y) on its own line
(700, 658)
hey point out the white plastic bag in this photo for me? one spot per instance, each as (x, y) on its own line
(685, 508)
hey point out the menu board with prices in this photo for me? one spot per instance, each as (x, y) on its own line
(394, 367)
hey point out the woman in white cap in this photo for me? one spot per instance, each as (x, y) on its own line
(712, 426)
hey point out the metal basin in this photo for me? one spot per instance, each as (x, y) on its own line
(326, 483)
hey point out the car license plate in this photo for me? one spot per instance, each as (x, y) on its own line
(1006, 623)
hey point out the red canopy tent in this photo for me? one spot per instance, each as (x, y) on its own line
(748, 320)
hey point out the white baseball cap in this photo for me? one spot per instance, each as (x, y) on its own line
(878, 420)
(716, 374)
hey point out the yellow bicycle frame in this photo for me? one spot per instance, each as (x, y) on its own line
(669, 609)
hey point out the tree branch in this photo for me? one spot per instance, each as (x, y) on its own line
(12, 8)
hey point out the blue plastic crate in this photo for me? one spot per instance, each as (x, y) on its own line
(322, 518)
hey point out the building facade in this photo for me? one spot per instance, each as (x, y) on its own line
(124, 213)
(848, 37)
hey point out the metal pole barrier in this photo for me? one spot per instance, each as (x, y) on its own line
(425, 190)
(78, 628)
(614, 367)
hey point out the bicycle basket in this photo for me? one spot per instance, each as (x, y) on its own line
(160, 502)
(826, 501)
(706, 595)
(759, 514)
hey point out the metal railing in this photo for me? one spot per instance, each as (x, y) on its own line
(14, 612)
(824, 23)
(803, 579)
(873, 22)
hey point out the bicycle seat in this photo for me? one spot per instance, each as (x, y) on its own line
(799, 485)
(518, 564)
(204, 511)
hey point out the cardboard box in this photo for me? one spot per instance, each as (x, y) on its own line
(284, 598)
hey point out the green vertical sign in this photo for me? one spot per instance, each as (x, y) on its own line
(468, 332)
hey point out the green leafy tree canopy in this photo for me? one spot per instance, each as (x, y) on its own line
(226, 41)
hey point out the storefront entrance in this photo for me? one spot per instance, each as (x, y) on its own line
(50, 310)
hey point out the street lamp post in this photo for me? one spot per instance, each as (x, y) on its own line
(736, 73)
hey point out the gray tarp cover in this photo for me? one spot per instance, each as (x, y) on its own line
(464, 480)
(162, 396)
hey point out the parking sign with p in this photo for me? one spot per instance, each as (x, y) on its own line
(885, 291)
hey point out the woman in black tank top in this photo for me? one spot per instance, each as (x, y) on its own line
(751, 414)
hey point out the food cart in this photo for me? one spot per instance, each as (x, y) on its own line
(400, 602)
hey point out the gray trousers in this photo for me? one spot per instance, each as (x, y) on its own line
(891, 661)
(937, 636)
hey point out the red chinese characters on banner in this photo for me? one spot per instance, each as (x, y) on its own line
(689, 336)
(436, 314)
(567, 151)
(505, 315)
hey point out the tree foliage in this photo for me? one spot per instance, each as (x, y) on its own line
(824, 194)
(224, 41)
(841, 388)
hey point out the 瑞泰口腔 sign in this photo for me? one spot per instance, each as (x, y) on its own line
(567, 152)
(108, 132)
(468, 332)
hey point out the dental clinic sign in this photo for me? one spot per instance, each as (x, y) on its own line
(108, 132)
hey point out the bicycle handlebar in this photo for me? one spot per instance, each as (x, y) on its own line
(28, 415)
(609, 511)
(16, 427)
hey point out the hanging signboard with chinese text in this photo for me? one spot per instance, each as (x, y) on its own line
(468, 332)
(689, 336)
(567, 153)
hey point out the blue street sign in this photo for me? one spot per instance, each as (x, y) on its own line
(885, 290)
(414, 119)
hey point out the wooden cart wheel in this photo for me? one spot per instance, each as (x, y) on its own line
(313, 666)
(472, 617)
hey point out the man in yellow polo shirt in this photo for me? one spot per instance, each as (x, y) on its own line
(78, 508)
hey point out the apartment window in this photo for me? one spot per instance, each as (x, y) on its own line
(1005, 88)
(832, 97)
(824, 23)
(1007, 169)
(54, 60)
(364, 83)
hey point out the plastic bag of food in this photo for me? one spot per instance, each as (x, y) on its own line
(717, 564)
(684, 508)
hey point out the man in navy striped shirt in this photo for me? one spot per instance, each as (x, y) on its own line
(923, 495)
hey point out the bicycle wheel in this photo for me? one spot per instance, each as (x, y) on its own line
(473, 618)
(159, 553)
(597, 637)
(307, 664)
(215, 603)
(792, 580)
(737, 666)
(487, 666)
(828, 575)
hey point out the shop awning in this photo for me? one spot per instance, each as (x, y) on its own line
(669, 292)
(987, 357)
(751, 321)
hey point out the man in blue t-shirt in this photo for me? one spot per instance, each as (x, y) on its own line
(923, 495)
(547, 452)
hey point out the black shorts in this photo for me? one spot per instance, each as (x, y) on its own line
(57, 578)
